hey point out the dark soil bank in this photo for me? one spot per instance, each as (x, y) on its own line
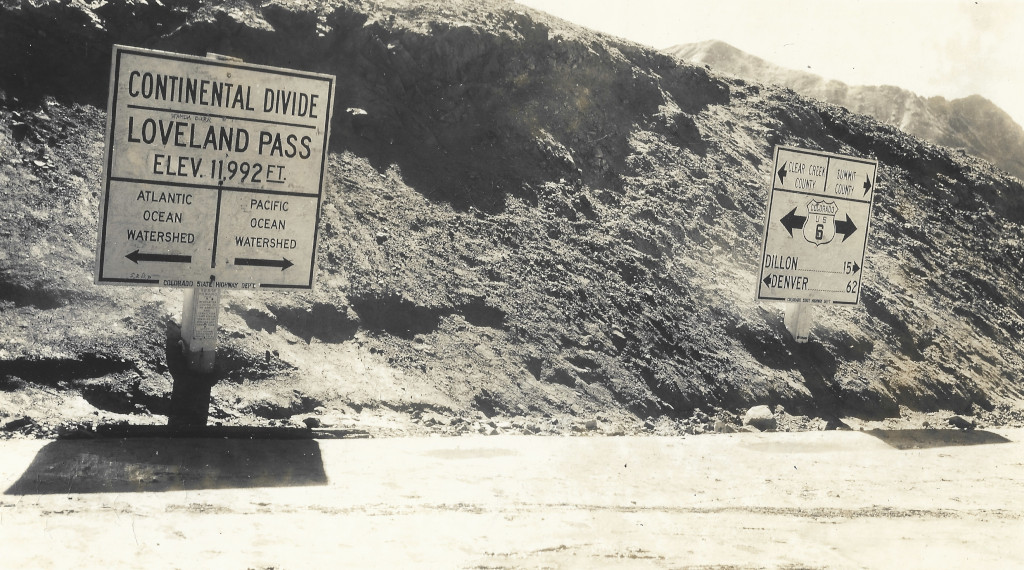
(526, 226)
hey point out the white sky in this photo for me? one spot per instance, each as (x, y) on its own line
(951, 48)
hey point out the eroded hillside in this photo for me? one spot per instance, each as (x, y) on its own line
(523, 220)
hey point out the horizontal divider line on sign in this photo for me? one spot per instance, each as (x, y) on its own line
(213, 187)
(820, 195)
(217, 116)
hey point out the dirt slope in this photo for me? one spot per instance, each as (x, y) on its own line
(531, 225)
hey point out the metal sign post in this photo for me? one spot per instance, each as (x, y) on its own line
(213, 179)
(816, 229)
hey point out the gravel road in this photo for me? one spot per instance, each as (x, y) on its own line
(909, 499)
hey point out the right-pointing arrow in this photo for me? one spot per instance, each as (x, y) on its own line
(867, 184)
(846, 228)
(283, 263)
(856, 267)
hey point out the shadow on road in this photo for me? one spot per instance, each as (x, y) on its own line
(928, 438)
(145, 464)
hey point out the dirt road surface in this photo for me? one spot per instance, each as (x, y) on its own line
(882, 499)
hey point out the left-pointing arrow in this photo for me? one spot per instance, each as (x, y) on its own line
(791, 221)
(136, 257)
(283, 263)
(783, 173)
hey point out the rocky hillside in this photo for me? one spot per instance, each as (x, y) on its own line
(526, 226)
(972, 123)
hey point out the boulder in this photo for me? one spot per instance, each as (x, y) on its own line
(760, 417)
(836, 424)
(961, 422)
(19, 423)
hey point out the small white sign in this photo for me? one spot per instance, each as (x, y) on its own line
(213, 172)
(816, 229)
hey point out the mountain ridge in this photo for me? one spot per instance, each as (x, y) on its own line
(972, 123)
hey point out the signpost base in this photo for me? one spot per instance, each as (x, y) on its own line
(190, 394)
(798, 320)
(190, 402)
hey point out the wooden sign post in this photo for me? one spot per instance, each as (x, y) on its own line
(199, 328)
(798, 320)
(201, 311)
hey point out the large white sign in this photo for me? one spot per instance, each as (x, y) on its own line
(213, 172)
(816, 230)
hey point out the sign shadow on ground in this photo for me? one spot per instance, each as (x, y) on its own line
(139, 465)
(929, 438)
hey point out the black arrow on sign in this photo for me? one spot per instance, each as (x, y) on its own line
(136, 257)
(767, 281)
(846, 228)
(283, 263)
(867, 184)
(791, 222)
(783, 173)
(856, 267)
